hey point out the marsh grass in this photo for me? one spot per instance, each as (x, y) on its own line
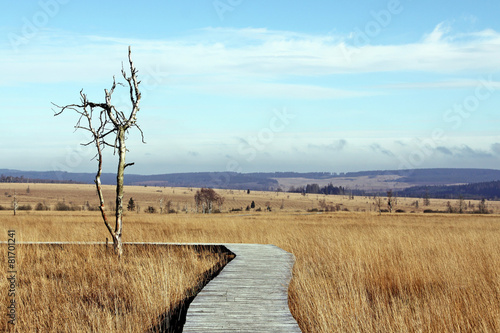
(84, 288)
(354, 271)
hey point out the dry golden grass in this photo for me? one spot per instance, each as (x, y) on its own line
(83, 288)
(354, 272)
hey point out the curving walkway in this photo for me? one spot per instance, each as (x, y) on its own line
(249, 295)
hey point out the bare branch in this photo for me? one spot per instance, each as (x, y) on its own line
(142, 133)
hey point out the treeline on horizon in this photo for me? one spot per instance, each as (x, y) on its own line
(478, 191)
(316, 189)
(483, 190)
(22, 179)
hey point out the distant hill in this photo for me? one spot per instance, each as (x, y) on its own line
(448, 176)
(228, 180)
(486, 190)
(363, 180)
(437, 176)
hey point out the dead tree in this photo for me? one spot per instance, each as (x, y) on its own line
(378, 203)
(14, 203)
(391, 201)
(108, 126)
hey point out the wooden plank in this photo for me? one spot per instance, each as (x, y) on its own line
(249, 295)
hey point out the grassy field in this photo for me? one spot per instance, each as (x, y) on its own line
(355, 271)
(82, 288)
(182, 199)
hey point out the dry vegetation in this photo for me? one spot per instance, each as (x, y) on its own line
(181, 198)
(354, 272)
(83, 288)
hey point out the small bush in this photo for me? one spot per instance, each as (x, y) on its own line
(313, 210)
(434, 211)
(236, 210)
(258, 209)
(25, 207)
(61, 206)
(2, 207)
(41, 206)
(400, 211)
(150, 210)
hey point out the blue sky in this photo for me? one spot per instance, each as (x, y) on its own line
(248, 86)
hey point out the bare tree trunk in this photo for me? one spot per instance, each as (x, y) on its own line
(15, 203)
(119, 191)
(116, 242)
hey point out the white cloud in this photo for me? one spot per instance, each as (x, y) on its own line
(335, 146)
(248, 53)
(495, 148)
(437, 34)
(278, 90)
(445, 84)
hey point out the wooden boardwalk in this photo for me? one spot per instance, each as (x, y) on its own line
(249, 295)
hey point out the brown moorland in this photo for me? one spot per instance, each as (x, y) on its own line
(355, 271)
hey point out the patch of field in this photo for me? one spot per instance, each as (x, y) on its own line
(182, 199)
(354, 271)
(83, 288)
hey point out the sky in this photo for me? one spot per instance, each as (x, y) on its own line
(256, 86)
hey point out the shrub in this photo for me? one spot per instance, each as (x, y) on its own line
(41, 206)
(61, 206)
(150, 210)
(434, 211)
(400, 211)
(2, 207)
(25, 207)
(482, 209)
(131, 205)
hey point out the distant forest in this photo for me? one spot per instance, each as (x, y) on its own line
(22, 179)
(486, 190)
(316, 189)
